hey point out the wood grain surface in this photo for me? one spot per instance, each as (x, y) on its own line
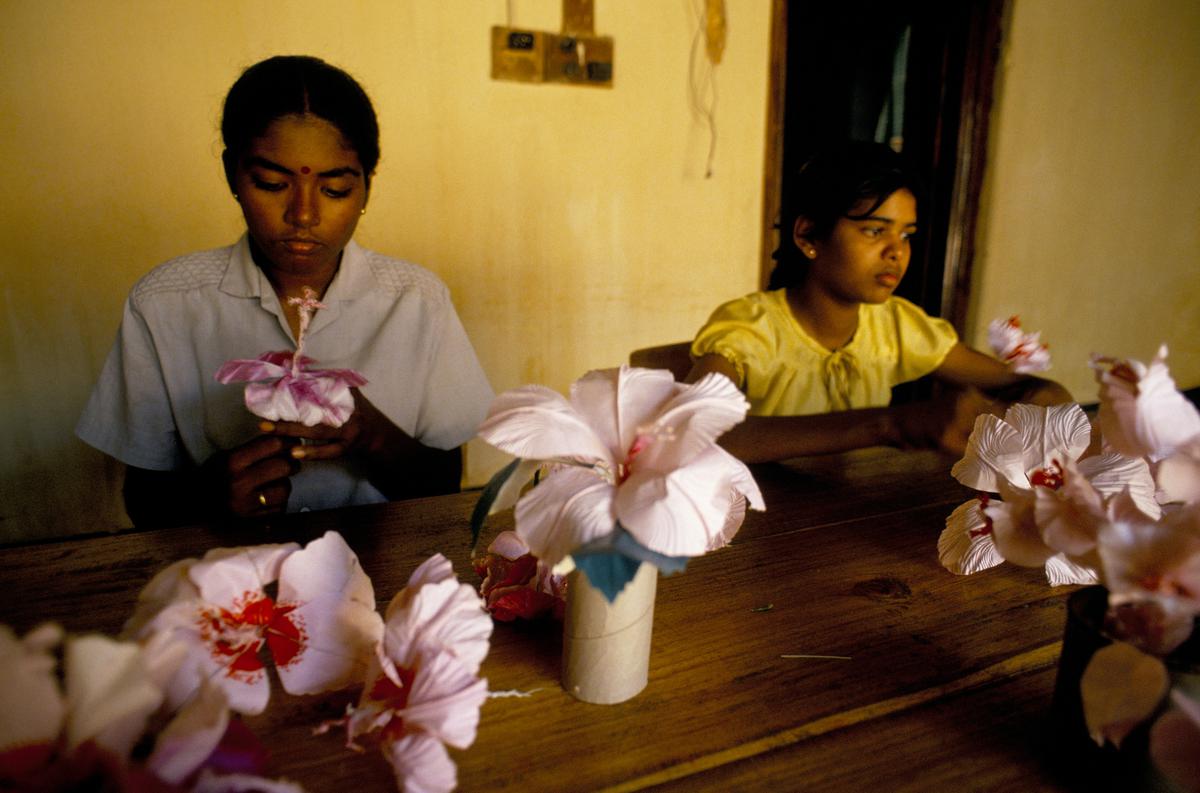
(932, 681)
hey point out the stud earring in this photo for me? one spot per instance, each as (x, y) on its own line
(363, 211)
(237, 198)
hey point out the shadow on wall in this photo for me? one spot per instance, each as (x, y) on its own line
(25, 491)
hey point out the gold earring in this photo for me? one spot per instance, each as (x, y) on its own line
(237, 198)
(363, 211)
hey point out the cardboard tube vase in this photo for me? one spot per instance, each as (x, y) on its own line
(606, 646)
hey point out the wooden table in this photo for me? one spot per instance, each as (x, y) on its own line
(945, 682)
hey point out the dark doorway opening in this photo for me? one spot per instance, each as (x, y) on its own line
(918, 75)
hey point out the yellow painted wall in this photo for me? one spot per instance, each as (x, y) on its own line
(1092, 204)
(571, 224)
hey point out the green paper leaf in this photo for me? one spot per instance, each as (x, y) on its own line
(484, 505)
(610, 562)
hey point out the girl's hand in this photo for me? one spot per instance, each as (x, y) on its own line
(944, 423)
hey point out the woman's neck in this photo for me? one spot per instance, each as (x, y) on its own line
(831, 322)
(288, 284)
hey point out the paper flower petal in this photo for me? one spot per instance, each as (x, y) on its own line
(619, 403)
(568, 508)
(1174, 740)
(1060, 431)
(690, 423)
(965, 545)
(422, 764)
(109, 694)
(1022, 351)
(444, 701)
(538, 423)
(1111, 473)
(190, 738)
(1142, 414)
(437, 614)
(1120, 688)
(1014, 528)
(1178, 476)
(226, 574)
(1061, 571)
(677, 514)
(1070, 517)
(244, 369)
(994, 453)
(335, 610)
(32, 709)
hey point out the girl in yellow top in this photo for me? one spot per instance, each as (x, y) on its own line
(817, 355)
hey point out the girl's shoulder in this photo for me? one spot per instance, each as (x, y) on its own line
(752, 308)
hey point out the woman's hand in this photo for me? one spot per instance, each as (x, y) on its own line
(365, 431)
(252, 479)
(249, 481)
(396, 463)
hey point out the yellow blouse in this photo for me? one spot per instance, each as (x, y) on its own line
(785, 372)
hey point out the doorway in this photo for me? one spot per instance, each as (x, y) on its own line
(917, 75)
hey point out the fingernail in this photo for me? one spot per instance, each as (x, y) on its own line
(299, 453)
(266, 426)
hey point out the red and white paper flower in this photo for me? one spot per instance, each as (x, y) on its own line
(1022, 351)
(320, 628)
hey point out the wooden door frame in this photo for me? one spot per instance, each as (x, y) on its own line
(988, 18)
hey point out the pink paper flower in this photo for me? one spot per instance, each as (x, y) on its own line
(68, 738)
(320, 628)
(630, 446)
(284, 387)
(516, 584)
(1022, 351)
(422, 690)
(1152, 571)
(1142, 414)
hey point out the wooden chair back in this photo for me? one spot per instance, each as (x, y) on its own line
(673, 357)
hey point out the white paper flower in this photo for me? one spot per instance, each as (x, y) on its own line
(1021, 351)
(319, 630)
(633, 447)
(1142, 414)
(422, 690)
(1051, 508)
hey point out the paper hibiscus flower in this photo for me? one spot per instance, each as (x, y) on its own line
(516, 584)
(283, 386)
(319, 629)
(82, 734)
(633, 471)
(1050, 507)
(423, 691)
(1022, 351)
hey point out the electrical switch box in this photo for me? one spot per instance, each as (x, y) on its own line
(536, 56)
(518, 55)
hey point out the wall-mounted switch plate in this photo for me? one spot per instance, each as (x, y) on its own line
(518, 55)
(579, 60)
(535, 56)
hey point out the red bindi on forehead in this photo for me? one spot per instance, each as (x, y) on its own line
(305, 169)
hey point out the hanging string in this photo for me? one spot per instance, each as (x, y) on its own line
(702, 88)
